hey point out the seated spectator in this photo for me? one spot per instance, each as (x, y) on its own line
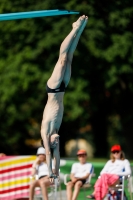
(79, 174)
(40, 168)
(117, 166)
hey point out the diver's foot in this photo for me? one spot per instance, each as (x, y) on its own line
(83, 25)
(79, 31)
(76, 25)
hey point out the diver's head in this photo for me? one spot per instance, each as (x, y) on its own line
(54, 140)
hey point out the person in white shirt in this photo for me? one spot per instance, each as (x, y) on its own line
(40, 169)
(79, 174)
(114, 168)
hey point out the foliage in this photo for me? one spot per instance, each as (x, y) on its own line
(100, 93)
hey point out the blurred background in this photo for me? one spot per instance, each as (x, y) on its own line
(99, 98)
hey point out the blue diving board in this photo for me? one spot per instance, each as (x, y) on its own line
(32, 14)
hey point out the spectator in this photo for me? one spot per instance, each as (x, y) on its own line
(117, 166)
(40, 168)
(79, 174)
(2, 155)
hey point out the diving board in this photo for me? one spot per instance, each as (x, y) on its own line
(33, 14)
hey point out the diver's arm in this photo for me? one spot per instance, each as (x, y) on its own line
(56, 155)
(45, 138)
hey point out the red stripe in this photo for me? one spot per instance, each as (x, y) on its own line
(22, 196)
(15, 168)
(15, 189)
(9, 176)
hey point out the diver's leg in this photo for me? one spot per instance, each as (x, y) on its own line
(76, 39)
(72, 48)
(59, 69)
(66, 44)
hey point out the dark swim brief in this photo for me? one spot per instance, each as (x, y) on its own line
(59, 89)
(83, 181)
(42, 176)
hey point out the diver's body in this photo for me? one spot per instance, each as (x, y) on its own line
(56, 85)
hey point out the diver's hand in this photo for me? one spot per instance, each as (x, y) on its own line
(52, 177)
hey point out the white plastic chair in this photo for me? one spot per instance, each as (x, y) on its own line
(52, 190)
(120, 187)
(130, 187)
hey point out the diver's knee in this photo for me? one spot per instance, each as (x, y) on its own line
(63, 58)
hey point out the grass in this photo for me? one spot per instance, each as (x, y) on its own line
(98, 165)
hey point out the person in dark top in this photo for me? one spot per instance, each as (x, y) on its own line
(56, 85)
